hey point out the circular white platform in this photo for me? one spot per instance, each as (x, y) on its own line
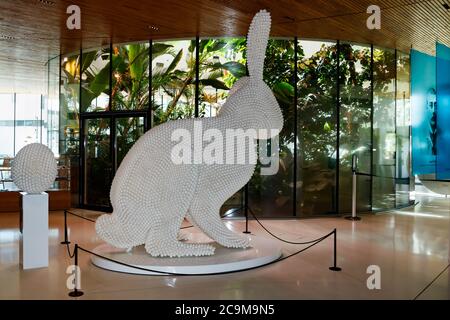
(261, 252)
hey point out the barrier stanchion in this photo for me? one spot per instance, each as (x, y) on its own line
(354, 217)
(335, 267)
(76, 292)
(246, 208)
(66, 235)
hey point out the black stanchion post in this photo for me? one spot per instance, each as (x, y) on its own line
(66, 235)
(246, 208)
(354, 217)
(76, 292)
(335, 267)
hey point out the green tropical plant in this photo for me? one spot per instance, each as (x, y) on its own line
(221, 63)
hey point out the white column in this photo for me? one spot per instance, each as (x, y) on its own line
(34, 227)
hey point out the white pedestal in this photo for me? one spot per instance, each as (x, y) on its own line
(34, 227)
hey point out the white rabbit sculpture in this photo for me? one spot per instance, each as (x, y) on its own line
(151, 195)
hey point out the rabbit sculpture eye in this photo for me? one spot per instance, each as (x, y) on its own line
(151, 195)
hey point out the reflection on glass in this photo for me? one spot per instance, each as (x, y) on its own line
(403, 124)
(173, 80)
(221, 63)
(98, 169)
(69, 109)
(28, 120)
(53, 106)
(95, 76)
(355, 124)
(316, 141)
(273, 195)
(128, 130)
(130, 77)
(51, 122)
(6, 126)
(69, 119)
(383, 181)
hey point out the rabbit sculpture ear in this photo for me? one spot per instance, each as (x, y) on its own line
(258, 36)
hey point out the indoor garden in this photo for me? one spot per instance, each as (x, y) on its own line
(338, 99)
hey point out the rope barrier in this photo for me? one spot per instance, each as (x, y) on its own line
(200, 274)
(311, 243)
(283, 240)
(79, 216)
(71, 255)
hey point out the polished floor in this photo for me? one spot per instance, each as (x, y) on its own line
(410, 246)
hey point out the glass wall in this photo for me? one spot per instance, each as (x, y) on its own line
(52, 106)
(384, 126)
(221, 64)
(403, 120)
(95, 80)
(23, 120)
(338, 100)
(69, 103)
(69, 116)
(355, 127)
(130, 77)
(273, 195)
(6, 139)
(28, 120)
(173, 80)
(316, 135)
(7, 118)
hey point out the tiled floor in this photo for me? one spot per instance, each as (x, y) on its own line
(410, 246)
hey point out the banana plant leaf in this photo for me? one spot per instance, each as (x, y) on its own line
(217, 45)
(175, 61)
(159, 49)
(137, 56)
(237, 69)
(215, 83)
(99, 84)
(87, 59)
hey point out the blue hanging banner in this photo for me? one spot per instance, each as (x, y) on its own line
(423, 113)
(443, 111)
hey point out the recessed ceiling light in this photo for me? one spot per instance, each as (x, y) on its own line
(6, 37)
(153, 28)
(446, 6)
(46, 2)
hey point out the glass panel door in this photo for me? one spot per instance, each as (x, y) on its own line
(355, 125)
(107, 140)
(128, 130)
(98, 168)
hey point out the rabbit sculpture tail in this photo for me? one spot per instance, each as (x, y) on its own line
(151, 194)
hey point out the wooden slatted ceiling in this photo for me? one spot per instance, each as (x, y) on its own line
(39, 31)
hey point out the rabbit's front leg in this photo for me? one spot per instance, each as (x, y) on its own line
(207, 218)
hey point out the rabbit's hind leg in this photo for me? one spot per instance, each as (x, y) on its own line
(109, 229)
(207, 218)
(162, 241)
